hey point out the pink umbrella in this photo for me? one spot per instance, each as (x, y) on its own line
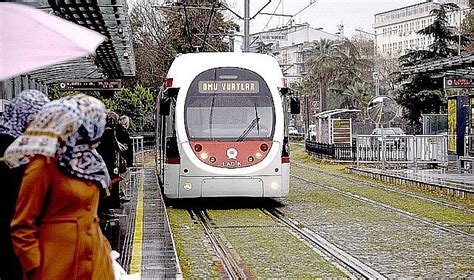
(31, 39)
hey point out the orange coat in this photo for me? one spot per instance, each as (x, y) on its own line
(55, 229)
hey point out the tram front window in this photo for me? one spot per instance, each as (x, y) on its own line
(229, 104)
(230, 123)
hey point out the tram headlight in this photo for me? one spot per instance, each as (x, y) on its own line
(250, 159)
(212, 159)
(187, 186)
(204, 155)
(274, 186)
(258, 155)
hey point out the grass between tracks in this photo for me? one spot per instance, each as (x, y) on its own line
(447, 215)
(268, 249)
(191, 245)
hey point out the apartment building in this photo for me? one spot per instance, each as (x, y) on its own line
(290, 45)
(395, 30)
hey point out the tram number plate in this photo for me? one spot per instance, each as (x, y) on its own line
(228, 87)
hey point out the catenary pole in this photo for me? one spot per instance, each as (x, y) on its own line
(246, 24)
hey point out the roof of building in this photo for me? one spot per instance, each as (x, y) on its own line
(458, 65)
(428, 2)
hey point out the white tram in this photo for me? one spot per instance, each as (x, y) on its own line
(221, 127)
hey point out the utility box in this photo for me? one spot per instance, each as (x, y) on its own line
(471, 126)
(457, 120)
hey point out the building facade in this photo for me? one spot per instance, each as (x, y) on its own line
(395, 30)
(290, 45)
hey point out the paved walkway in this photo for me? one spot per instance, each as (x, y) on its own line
(147, 249)
(449, 182)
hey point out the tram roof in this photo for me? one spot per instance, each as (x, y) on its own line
(187, 66)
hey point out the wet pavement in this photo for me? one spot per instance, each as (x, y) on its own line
(452, 182)
(143, 232)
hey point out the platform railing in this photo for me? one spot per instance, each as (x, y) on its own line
(138, 150)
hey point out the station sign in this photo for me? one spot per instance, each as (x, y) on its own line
(91, 84)
(458, 82)
(341, 132)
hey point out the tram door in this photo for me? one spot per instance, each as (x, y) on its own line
(167, 148)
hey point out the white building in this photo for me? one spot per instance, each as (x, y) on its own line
(290, 45)
(395, 30)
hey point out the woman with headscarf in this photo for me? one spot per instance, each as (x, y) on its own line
(55, 229)
(18, 114)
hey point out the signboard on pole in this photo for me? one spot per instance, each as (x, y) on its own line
(458, 82)
(313, 107)
(92, 85)
(341, 132)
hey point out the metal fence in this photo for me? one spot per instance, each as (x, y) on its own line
(392, 149)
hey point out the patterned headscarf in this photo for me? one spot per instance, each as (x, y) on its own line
(69, 128)
(21, 111)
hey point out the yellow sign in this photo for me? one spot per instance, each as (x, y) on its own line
(452, 122)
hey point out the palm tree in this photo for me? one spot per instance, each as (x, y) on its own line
(359, 95)
(337, 64)
(322, 66)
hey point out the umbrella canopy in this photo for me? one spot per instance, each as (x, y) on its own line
(31, 39)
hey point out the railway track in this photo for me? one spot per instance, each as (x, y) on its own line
(356, 268)
(358, 181)
(384, 206)
(229, 264)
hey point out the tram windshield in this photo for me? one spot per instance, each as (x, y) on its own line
(229, 104)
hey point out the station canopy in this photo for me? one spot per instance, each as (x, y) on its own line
(114, 58)
(452, 66)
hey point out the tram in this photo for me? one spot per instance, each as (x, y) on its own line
(221, 127)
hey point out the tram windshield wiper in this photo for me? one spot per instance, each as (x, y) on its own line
(211, 115)
(255, 122)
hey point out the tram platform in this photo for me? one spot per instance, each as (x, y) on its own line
(141, 232)
(451, 182)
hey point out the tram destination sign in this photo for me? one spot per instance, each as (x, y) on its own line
(458, 82)
(93, 85)
(228, 87)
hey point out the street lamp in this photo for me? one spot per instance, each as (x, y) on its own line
(375, 75)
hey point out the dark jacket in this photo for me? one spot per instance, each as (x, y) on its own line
(108, 150)
(124, 138)
(10, 267)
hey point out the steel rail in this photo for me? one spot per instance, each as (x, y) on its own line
(444, 203)
(386, 207)
(229, 264)
(322, 244)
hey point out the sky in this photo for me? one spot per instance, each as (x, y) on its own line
(323, 13)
